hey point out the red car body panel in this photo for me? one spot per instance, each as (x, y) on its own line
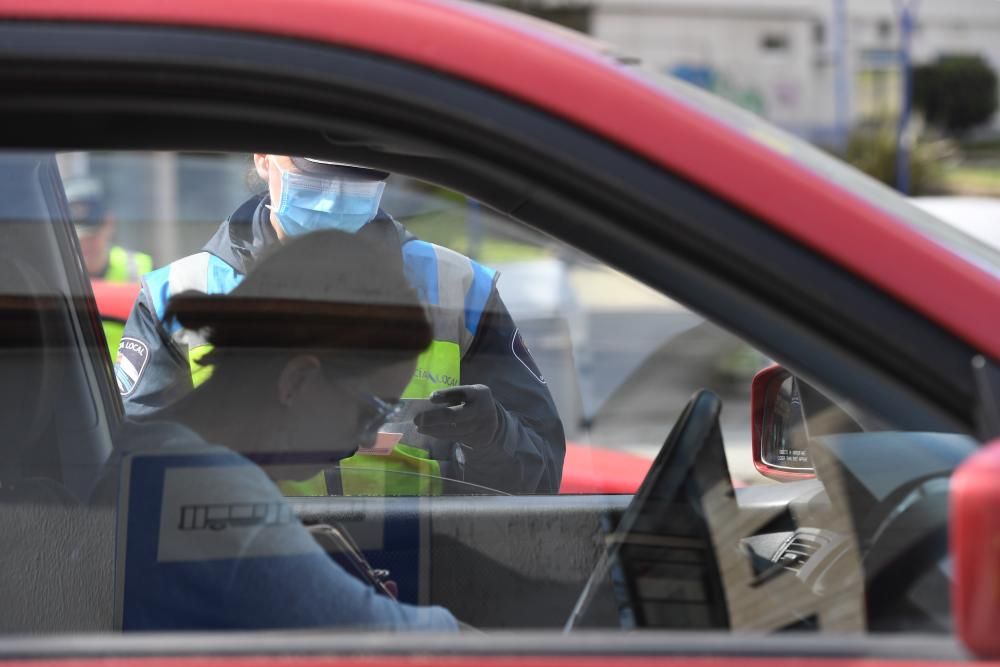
(590, 469)
(476, 661)
(975, 538)
(114, 300)
(576, 83)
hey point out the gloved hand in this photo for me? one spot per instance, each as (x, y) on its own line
(470, 416)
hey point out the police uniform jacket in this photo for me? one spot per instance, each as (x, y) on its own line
(527, 456)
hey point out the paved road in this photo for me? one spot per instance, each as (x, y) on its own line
(638, 416)
(622, 360)
(630, 392)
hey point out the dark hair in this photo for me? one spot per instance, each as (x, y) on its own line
(256, 185)
(330, 293)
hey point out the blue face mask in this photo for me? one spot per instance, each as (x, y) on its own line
(309, 204)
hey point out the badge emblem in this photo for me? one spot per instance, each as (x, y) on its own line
(133, 355)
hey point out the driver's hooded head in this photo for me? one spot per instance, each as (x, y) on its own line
(306, 350)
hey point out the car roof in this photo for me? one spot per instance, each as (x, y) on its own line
(577, 81)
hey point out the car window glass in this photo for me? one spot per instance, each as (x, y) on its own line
(548, 443)
(867, 189)
(614, 397)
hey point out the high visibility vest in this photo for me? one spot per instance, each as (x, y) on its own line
(455, 290)
(126, 266)
(113, 330)
(114, 303)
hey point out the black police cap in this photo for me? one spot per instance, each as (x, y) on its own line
(328, 169)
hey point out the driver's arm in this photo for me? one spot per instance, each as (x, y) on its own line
(265, 575)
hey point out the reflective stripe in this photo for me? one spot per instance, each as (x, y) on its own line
(420, 264)
(217, 277)
(157, 288)
(478, 295)
(188, 273)
(222, 278)
(201, 272)
(455, 287)
(454, 272)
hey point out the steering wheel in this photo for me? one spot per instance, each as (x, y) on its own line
(685, 458)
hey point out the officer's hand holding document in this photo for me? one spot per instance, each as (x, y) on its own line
(392, 432)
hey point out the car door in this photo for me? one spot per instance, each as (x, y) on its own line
(497, 561)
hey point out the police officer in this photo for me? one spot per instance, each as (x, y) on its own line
(494, 424)
(95, 227)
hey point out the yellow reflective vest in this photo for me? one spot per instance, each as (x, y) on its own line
(455, 290)
(124, 266)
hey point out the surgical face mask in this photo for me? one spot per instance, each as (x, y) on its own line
(309, 203)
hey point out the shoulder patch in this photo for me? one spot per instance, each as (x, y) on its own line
(133, 356)
(521, 353)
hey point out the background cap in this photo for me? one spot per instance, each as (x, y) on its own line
(86, 203)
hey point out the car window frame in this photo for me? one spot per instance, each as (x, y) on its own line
(665, 255)
(684, 259)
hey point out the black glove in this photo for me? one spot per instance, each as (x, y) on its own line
(470, 418)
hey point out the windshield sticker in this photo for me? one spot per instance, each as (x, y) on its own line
(133, 355)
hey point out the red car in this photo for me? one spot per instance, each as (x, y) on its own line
(880, 546)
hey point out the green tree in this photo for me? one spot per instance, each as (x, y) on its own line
(956, 93)
(872, 149)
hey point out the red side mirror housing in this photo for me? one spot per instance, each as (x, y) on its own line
(770, 406)
(975, 547)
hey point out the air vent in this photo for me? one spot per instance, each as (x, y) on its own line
(801, 547)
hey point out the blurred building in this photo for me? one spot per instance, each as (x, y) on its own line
(815, 67)
(811, 66)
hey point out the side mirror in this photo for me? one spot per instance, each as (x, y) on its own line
(778, 433)
(975, 548)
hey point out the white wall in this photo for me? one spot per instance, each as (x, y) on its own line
(795, 86)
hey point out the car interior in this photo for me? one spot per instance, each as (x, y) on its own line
(860, 547)
(686, 552)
